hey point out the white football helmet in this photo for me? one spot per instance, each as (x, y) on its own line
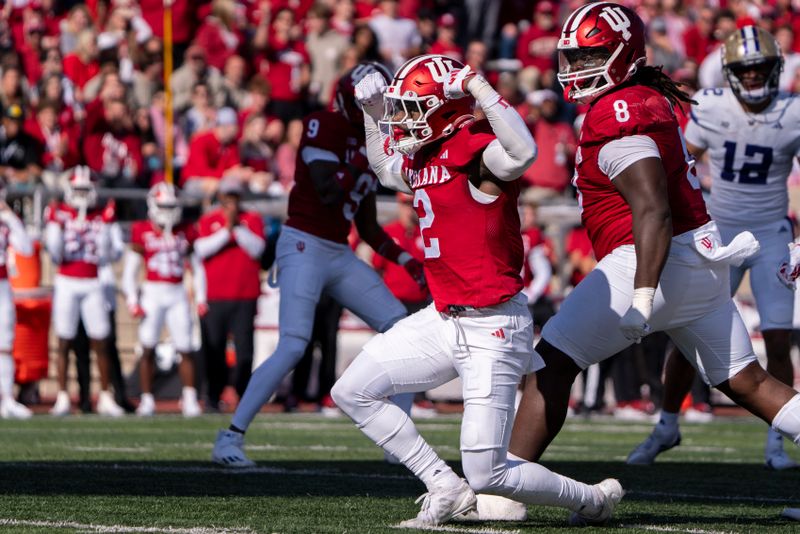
(80, 192)
(163, 207)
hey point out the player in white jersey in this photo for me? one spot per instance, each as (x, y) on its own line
(165, 246)
(12, 235)
(751, 132)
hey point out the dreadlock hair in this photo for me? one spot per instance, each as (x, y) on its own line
(654, 77)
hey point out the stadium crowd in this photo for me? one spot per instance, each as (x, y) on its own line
(83, 84)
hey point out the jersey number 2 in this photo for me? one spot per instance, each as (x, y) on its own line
(751, 172)
(426, 221)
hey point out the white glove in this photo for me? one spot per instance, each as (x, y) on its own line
(456, 85)
(634, 323)
(369, 93)
(789, 270)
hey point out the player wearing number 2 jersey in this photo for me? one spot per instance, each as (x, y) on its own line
(333, 189)
(166, 247)
(751, 133)
(662, 265)
(464, 177)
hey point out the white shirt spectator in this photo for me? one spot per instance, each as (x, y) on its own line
(396, 36)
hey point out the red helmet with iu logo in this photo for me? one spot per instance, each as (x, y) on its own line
(417, 111)
(601, 46)
(344, 100)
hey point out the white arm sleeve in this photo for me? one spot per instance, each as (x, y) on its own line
(514, 150)
(117, 243)
(199, 279)
(619, 154)
(210, 245)
(250, 242)
(542, 272)
(53, 241)
(130, 276)
(104, 244)
(387, 168)
(19, 239)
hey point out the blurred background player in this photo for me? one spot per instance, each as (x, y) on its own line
(334, 189)
(465, 178)
(12, 237)
(165, 247)
(78, 239)
(537, 271)
(230, 242)
(752, 134)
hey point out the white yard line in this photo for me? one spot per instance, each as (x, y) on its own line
(658, 528)
(90, 527)
(111, 449)
(462, 530)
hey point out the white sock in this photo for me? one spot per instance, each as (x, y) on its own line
(6, 377)
(189, 394)
(535, 484)
(147, 398)
(774, 443)
(787, 421)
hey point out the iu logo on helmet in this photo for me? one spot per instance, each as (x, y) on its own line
(618, 20)
(440, 68)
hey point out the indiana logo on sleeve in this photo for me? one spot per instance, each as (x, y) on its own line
(301, 246)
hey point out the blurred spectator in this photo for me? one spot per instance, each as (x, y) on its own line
(150, 72)
(230, 244)
(550, 174)
(202, 114)
(325, 46)
(698, 40)
(286, 155)
(195, 70)
(125, 21)
(791, 59)
(537, 46)
(151, 153)
(11, 88)
(426, 26)
(398, 38)
(482, 17)
(476, 56)
(54, 85)
(580, 254)
(255, 153)
(182, 10)
(219, 34)
(342, 17)
(81, 65)
(113, 150)
(445, 43)
(158, 122)
(60, 143)
(660, 47)
(710, 72)
(76, 22)
(233, 78)
(366, 47)
(20, 153)
(405, 232)
(213, 155)
(31, 51)
(537, 270)
(284, 63)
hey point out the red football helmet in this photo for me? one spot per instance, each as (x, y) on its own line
(417, 111)
(601, 46)
(344, 99)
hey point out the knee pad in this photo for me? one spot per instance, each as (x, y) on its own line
(363, 383)
(485, 471)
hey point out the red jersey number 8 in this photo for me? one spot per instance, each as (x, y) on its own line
(431, 245)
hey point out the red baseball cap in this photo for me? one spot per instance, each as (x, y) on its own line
(446, 21)
(545, 6)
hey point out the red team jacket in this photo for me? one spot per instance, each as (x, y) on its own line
(329, 131)
(230, 273)
(81, 257)
(164, 256)
(632, 110)
(473, 251)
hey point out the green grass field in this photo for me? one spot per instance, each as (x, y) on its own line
(317, 475)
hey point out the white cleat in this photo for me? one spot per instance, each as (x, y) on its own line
(11, 409)
(147, 405)
(443, 505)
(107, 406)
(780, 461)
(191, 408)
(496, 508)
(229, 450)
(611, 493)
(62, 406)
(645, 453)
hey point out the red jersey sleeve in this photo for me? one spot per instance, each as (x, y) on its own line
(327, 131)
(254, 223)
(469, 144)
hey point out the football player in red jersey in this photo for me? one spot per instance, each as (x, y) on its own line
(464, 177)
(78, 239)
(12, 236)
(661, 262)
(333, 189)
(165, 245)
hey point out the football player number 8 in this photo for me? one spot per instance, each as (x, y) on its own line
(431, 245)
